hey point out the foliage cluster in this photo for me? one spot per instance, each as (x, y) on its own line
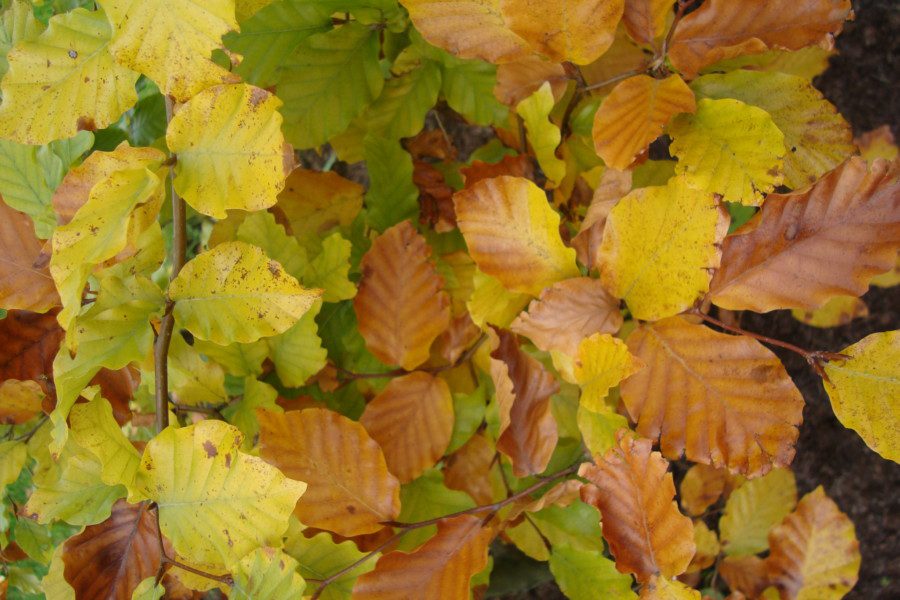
(220, 370)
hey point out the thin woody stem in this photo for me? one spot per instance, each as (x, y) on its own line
(683, 5)
(166, 560)
(614, 79)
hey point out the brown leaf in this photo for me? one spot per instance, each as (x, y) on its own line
(430, 143)
(645, 20)
(612, 187)
(23, 284)
(412, 421)
(461, 334)
(635, 494)
(566, 313)
(723, 29)
(814, 552)
(721, 399)
(516, 166)
(803, 248)
(469, 469)
(118, 387)
(745, 574)
(440, 568)
(401, 305)
(28, 344)
(528, 432)
(435, 197)
(520, 78)
(108, 560)
(350, 489)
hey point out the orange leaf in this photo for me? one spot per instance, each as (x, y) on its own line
(469, 469)
(314, 202)
(401, 305)
(613, 186)
(412, 421)
(28, 344)
(528, 432)
(25, 284)
(350, 489)
(634, 114)
(722, 399)
(515, 166)
(745, 574)
(566, 313)
(635, 494)
(702, 486)
(645, 20)
(440, 568)
(520, 78)
(110, 559)
(723, 29)
(804, 248)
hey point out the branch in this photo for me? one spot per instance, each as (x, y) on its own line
(405, 528)
(164, 338)
(30, 433)
(683, 6)
(615, 78)
(165, 560)
(463, 358)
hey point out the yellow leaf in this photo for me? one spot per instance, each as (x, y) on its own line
(663, 588)
(64, 81)
(230, 149)
(267, 574)
(598, 429)
(579, 31)
(660, 246)
(708, 547)
(171, 41)
(878, 143)
(543, 134)
(603, 361)
(838, 311)
(12, 458)
(491, 303)
(634, 114)
(216, 503)
(234, 293)
(753, 509)
(729, 148)
(701, 487)
(513, 234)
(315, 203)
(19, 401)
(865, 391)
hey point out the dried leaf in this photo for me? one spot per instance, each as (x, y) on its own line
(28, 344)
(745, 574)
(645, 20)
(701, 487)
(20, 401)
(24, 283)
(518, 79)
(613, 186)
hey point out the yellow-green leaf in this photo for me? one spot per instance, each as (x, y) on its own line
(27, 178)
(838, 311)
(242, 414)
(54, 584)
(64, 81)
(865, 391)
(236, 359)
(729, 148)
(603, 361)
(12, 458)
(663, 588)
(492, 303)
(320, 557)
(330, 270)
(267, 574)
(298, 353)
(587, 574)
(598, 429)
(192, 380)
(753, 509)
(148, 589)
(17, 24)
(659, 247)
(235, 293)
(261, 230)
(543, 134)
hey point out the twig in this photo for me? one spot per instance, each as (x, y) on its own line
(683, 5)
(464, 357)
(614, 79)
(166, 560)
(30, 433)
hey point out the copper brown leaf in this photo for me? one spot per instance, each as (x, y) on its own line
(401, 305)
(803, 248)
(25, 283)
(528, 432)
(412, 421)
(28, 344)
(635, 494)
(440, 568)
(108, 560)
(645, 20)
(720, 399)
(350, 489)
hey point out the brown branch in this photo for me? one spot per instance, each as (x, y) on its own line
(346, 375)
(166, 560)
(683, 6)
(25, 437)
(614, 79)
(405, 528)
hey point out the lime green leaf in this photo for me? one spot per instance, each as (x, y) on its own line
(755, 508)
(261, 230)
(17, 24)
(587, 574)
(598, 429)
(400, 109)
(468, 87)
(54, 584)
(171, 41)
(234, 292)
(225, 503)
(148, 589)
(426, 498)
(12, 458)
(237, 359)
(272, 34)
(392, 196)
(64, 81)
(491, 303)
(242, 414)
(230, 149)
(729, 148)
(327, 82)
(865, 391)
(330, 270)
(267, 574)
(542, 133)
(193, 380)
(298, 353)
(320, 557)
(576, 525)
(27, 180)
(468, 410)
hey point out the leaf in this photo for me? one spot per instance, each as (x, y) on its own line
(224, 503)
(262, 230)
(513, 234)
(171, 42)
(832, 238)
(234, 293)
(467, 28)
(722, 29)
(272, 34)
(745, 574)
(24, 285)
(330, 270)
(401, 305)
(20, 401)
(425, 498)
(148, 589)
(267, 574)
(814, 552)
(94, 429)
(587, 574)
(319, 557)
(720, 399)
(440, 568)
(18, 25)
(659, 246)
(467, 86)
(327, 82)
(816, 137)
(611, 188)
(753, 509)
(230, 149)
(54, 584)
(865, 391)
(400, 110)
(839, 310)
(528, 430)
(543, 134)
(602, 362)
(634, 493)
(701, 487)
(350, 489)
(392, 196)
(192, 380)
(298, 353)
(598, 429)
(28, 343)
(491, 303)
(412, 421)
(579, 31)
(729, 148)
(634, 114)
(662, 588)
(568, 312)
(110, 559)
(27, 179)
(13, 456)
(64, 81)
(645, 20)
(522, 77)
(708, 548)
(316, 202)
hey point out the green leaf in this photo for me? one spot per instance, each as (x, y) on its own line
(148, 120)
(469, 413)
(298, 353)
(267, 574)
(238, 359)
(27, 181)
(468, 87)
(392, 196)
(330, 270)
(427, 498)
(193, 380)
(12, 458)
(401, 108)
(576, 525)
(587, 574)
(260, 229)
(242, 414)
(320, 557)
